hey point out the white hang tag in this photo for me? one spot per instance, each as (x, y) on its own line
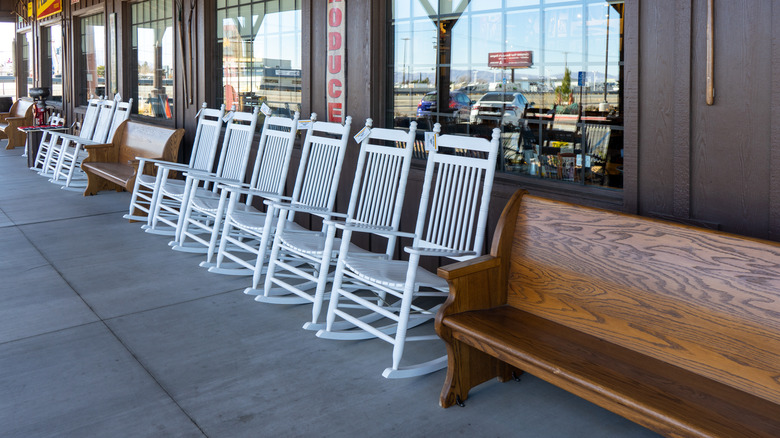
(228, 117)
(362, 134)
(266, 110)
(198, 113)
(304, 124)
(430, 141)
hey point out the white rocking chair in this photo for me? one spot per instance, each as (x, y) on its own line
(46, 137)
(319, 170)
(375, 203)
(73, 153)
(232, 167)
(54, 147)
(450, 223)
(204, 151)
(269, 177)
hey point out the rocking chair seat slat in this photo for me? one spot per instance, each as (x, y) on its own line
(391, 273)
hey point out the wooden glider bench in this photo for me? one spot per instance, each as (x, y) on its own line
(114, 166)
(673, 327)
(20, 114)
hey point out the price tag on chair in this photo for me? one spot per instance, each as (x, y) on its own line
(304, 124)
(430, 141)
(266, 110)
(362, 134)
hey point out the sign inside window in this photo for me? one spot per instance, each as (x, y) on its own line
(336, 75)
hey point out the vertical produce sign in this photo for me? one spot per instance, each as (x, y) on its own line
(336, 74)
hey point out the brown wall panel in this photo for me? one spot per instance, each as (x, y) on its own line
(730, 139)
(656, 106)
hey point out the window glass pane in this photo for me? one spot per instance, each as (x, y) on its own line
(7, 68)
(25, 67)
(93, 58)
(153, 67)
(54, 54)
(516, 65)
(260, 43)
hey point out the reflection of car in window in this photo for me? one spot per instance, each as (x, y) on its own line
(504, 107)
(459, 105)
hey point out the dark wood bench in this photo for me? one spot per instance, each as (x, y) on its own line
(20, 114)
(114, 166)
(673, 327)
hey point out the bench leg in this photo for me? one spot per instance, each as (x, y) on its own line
(96, 184)
(467, 367)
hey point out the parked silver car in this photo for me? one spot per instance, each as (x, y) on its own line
(506, 108)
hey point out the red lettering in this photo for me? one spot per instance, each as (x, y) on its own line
(334, 40)
(334, 112)
(332, 91)
(334, 1)
(334, 64)
(334, 17)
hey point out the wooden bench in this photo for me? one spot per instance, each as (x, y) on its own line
(114, 166)
(20, 114)
(673, 327)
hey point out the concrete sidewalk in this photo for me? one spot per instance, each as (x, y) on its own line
(106, 332)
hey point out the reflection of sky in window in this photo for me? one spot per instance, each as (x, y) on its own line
(273, 38)
(98, 43)
(568, 37)
(146, 43)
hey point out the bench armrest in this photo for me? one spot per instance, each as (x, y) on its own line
(105, 152)
(481, 282)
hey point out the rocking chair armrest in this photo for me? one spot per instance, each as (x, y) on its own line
(368, 228)
(201, 175)
(98, 146)
(438, 252)
(163, 163)
(245, 189)
(71, 137)
(301, 208)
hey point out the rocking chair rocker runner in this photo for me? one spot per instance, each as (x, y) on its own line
(376, 202)
(204, 150)
(451, 223)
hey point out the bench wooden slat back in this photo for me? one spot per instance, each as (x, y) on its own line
(21, 108)
(623, 279)
(142, 140)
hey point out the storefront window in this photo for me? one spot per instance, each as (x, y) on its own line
(93, 58)
(260, 44)
(153, 58)
(548, 73)
(26, 66)
(54, 60)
